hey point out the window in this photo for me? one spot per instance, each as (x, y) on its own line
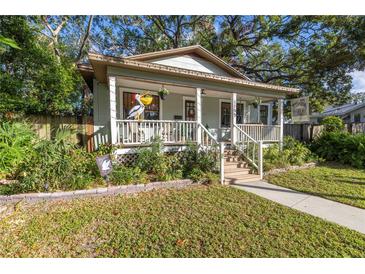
(357, 118)
(226, 114)
(189, 110)
(151, 112)
(264, 114)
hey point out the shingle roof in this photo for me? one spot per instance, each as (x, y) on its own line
(342, 110)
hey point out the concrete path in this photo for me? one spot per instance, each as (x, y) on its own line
(345, 215)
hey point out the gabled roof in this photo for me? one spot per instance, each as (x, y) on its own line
(195, 49)
(100, 62)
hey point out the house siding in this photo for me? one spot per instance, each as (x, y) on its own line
(190, 62)
(101, 107)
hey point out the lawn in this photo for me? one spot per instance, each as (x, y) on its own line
(202, 221)
(335, 182)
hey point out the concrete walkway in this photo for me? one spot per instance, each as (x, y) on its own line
(345, 215)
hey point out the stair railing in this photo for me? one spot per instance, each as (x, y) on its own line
(208, 140)
(250, 148)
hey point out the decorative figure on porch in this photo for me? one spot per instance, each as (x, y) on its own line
(143, 100)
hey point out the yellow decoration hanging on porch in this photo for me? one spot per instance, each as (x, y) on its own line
(143, 100)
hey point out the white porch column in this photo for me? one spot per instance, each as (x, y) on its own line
(233, 118)
(113, 109)
(198, 111)
(281, 120)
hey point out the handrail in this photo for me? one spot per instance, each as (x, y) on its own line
(246, 150)
(208, 133)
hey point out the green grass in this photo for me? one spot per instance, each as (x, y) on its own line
(202, 221)
(335, 182)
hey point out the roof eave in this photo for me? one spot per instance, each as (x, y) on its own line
(121, 62)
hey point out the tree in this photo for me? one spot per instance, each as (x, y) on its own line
(7, 42)
(313, 53)
(34, 79)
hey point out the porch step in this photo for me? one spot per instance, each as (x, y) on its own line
(229, 152)
(236, 172)
(240, 164)
(242, 179)
(231, 159)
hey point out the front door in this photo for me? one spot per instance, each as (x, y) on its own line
(189, 110)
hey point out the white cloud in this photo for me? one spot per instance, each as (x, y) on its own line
(358, 81)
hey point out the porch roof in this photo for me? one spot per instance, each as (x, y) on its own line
(100, 63)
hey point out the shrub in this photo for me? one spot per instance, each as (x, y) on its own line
(122, 175)
(194, 157)
(199, 176)
(16, 143)
(341, 147)
(293, 153)
(171, 167)
(57, 165)
(332, 123)
(158, 164)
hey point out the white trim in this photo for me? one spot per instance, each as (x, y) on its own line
(198, 114)
(229, 101)
(187, 98)
(122, 89)
(233, 117)
(112, 86)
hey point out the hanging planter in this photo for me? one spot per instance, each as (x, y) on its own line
(163, 92)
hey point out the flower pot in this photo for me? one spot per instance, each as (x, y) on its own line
(163, 96)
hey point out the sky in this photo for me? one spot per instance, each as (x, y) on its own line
(358, 81)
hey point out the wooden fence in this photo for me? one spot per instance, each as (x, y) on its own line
(307, 132)
(46, 126)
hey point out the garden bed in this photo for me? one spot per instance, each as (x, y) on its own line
(112, 190)
(286, 169)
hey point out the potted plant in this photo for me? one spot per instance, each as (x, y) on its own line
(163, 92)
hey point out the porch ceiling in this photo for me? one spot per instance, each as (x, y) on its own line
(184, 90)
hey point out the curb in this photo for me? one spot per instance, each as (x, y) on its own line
(113, 190)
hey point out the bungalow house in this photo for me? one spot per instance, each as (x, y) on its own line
(349, 113)
(209, 101)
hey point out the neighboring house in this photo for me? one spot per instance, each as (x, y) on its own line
(349, 113)
(205, 93)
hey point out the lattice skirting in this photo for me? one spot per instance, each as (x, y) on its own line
(129, 158)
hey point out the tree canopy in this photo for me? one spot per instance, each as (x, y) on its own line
(313, 53)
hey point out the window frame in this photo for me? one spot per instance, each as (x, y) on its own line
(244, 116)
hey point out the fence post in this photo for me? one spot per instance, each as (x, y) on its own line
(221, 158)
(260, 162)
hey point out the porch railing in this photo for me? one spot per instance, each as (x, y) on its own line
(265, 133)
(145, 131)
(250, 148)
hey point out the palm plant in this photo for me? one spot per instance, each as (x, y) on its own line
(16, 141)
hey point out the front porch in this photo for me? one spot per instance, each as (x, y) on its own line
(191, 114)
